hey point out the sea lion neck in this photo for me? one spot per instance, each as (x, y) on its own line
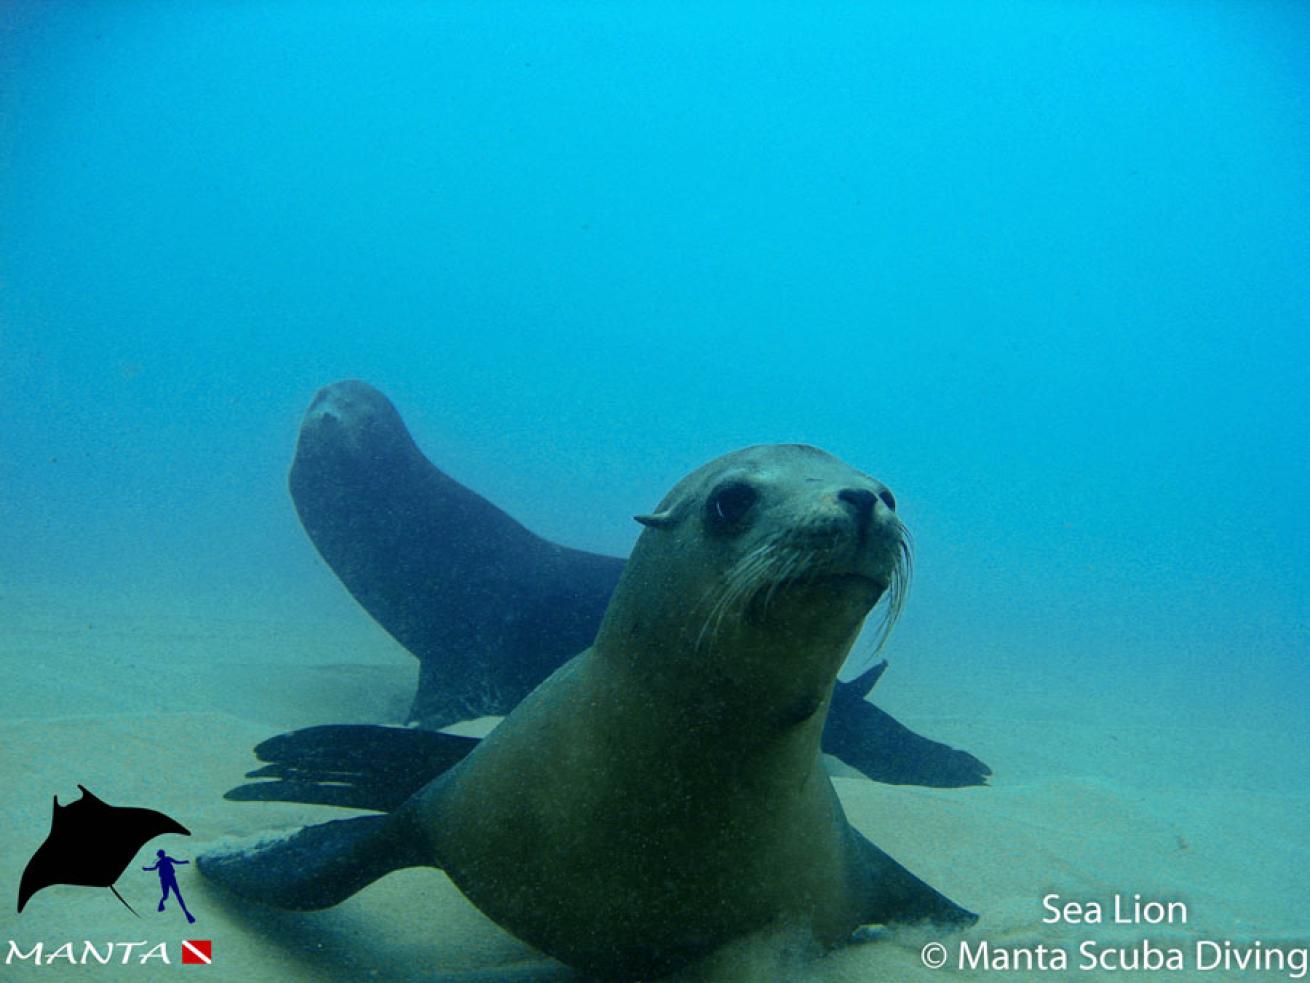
(726, 731)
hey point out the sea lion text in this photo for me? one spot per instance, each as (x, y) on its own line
(1122, 911)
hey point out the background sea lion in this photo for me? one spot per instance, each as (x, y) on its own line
(661, 794)
(489, 608)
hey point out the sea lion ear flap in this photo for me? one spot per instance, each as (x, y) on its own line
(658, 520)
(668, 516)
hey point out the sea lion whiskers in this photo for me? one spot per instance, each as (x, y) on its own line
(779, 562)
(797, 558)
(794, 557)
(745, 577)
(722, 600)
(898, 586)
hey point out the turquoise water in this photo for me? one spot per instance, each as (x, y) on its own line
(1041, 268)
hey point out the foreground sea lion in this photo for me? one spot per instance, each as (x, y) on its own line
(490, 609)
(661, 794)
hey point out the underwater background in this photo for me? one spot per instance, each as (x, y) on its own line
(1040, 267)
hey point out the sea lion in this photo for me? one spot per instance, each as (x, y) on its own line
(661, 795)
(489, 608)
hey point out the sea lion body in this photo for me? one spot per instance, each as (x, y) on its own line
(661, 795)
(724, 844)
(488, 608)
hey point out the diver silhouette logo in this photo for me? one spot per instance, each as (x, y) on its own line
(91, 843)
(168, 881)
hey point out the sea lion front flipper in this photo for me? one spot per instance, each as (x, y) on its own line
(360, 766)
(873, 742)
(890, 894)
(318, 866)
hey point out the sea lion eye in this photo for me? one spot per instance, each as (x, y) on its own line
(729, 504)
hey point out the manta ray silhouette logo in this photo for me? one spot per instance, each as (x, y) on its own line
(91, 842)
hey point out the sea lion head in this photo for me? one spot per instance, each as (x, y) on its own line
(757, 571)
(351, 426)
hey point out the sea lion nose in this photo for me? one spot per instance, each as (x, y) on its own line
(861, 501)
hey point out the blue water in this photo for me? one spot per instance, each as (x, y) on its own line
(1040, 267)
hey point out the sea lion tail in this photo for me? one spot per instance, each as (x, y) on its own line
(318, 866)
(359, 766)
(890, 894)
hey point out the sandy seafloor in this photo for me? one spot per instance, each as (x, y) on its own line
(1092, 795)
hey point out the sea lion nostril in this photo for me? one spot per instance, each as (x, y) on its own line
(860, 499)
(888, 499)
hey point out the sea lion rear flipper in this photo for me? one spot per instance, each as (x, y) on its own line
(360, 766)
(890, 894)
(319, 866)
(875, 743)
